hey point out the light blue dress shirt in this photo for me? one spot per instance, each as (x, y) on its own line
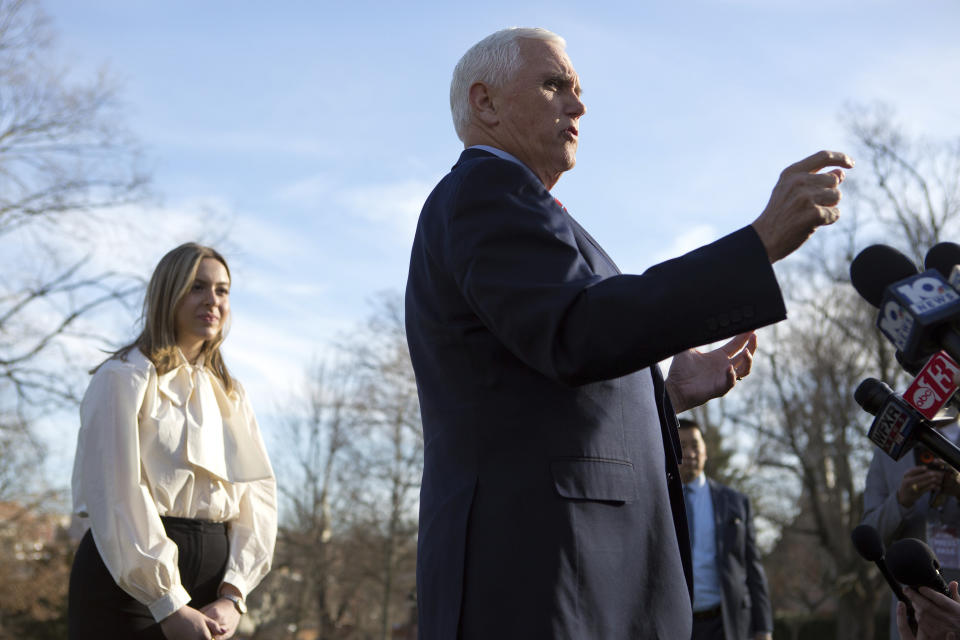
(706, 579)
(500, 153)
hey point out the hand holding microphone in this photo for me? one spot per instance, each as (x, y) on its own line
(935, 604)
(916, 482)
(937, 616)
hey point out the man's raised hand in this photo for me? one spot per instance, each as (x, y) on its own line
(802, 200)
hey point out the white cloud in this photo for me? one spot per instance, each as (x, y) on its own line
(395, 204)
(695, 237)
(385, 209)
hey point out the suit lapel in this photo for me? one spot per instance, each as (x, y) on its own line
(719, 509)
(590, 249)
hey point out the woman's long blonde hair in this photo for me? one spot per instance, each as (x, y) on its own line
(171, 280)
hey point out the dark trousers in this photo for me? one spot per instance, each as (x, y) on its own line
(99, 609)
(709, 627)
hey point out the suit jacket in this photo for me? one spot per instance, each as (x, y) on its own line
(551, 506)
(746, 600)
(883, 512)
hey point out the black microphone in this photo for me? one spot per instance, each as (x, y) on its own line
(916, 311)
(914, 564)
(898, 426)
(912, 367)
(868, 544)
(945, 257)
(877, 266)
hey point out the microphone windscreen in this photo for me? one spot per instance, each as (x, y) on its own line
(914, 564)
(871, 394)
(875, 268)
(867, 542)
(943, 257)
(912, 367)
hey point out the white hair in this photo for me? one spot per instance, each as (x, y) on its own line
(493, 61)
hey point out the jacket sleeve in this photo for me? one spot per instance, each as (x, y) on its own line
(881, 509)
(123, 516)
(514, 256)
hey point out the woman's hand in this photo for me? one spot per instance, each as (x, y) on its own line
(186, 623)
(225, 613)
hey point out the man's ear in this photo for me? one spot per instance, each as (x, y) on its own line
(483, 104)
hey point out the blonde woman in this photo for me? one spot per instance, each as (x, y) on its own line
(171, 472)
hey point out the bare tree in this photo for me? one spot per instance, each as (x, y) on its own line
(811, 455)
(390, 409)
(61, 147)
(912, 186)
(349, 476)
(64, 156)
(317, 444)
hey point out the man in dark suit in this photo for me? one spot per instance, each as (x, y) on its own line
(730, 598)
(551, 504)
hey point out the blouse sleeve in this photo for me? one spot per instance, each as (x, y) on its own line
(881, 509)
(110, 490)
(253, 533)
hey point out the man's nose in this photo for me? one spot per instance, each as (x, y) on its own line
(577, 108)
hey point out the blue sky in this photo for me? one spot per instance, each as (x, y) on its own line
(303, 138)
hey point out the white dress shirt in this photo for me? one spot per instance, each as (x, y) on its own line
(176, 445)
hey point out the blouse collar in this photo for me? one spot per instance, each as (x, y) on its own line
(220, 431)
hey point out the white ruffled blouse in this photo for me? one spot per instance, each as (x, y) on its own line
(171, 445)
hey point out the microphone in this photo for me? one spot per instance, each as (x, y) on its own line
(877, 266)
(868, 544)
(916, 310)
(914, 564)
(913, 367)
(897, 426)
(945, 258)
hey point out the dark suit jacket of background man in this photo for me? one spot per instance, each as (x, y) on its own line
(746, 601)
(551, 505)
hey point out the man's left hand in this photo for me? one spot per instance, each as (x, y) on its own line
(763, 635)
(696, 377)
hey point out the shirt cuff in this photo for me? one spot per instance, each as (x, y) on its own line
(236, 580)
(905, 512)
(169, 603)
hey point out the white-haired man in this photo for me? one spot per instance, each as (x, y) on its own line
(551, 505)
